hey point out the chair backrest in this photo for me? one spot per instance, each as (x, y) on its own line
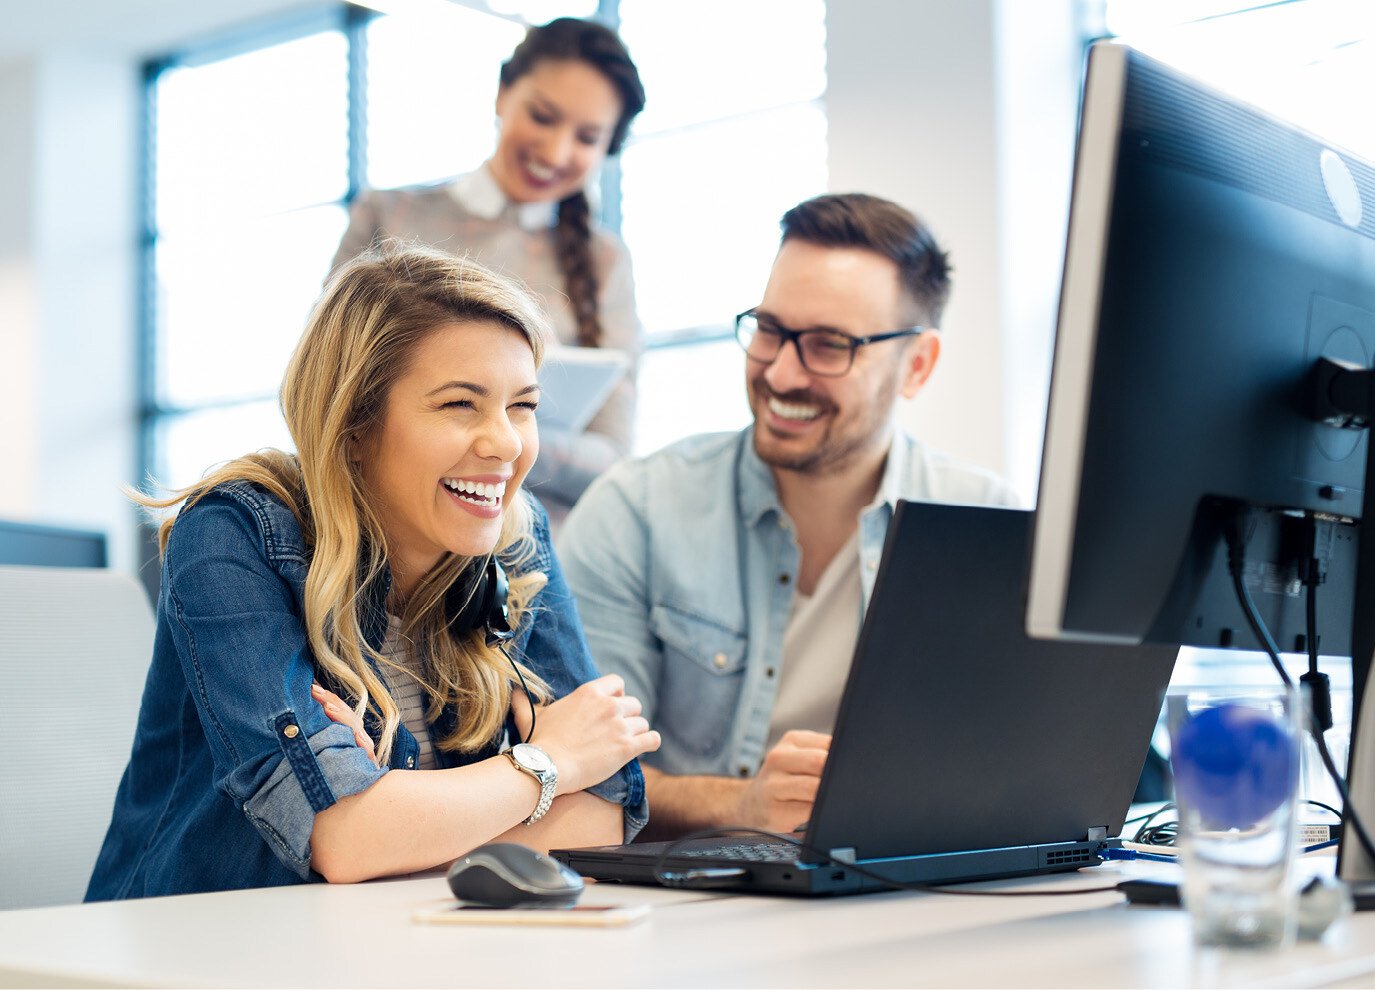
(75, 644)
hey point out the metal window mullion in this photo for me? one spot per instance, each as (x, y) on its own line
(356, 20)
(146, 298)
(609, 13)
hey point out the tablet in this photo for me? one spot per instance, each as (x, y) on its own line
(575, 382)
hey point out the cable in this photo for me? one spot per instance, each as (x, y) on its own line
(1236, 566)
(528, 697)
(1162, 834)
(1323, 806)
(1320, 698)
(1112, 853)
(1319, 686)
(1236, 555)
(1148, 815)
(665, 878)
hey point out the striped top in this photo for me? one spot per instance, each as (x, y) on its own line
(406, 691)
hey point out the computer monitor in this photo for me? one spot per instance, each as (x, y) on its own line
(36, 545)
(1216, 257)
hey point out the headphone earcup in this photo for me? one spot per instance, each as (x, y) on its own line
(496, 610)
(480, 605)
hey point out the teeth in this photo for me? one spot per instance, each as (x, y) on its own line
(540, 172)
(790, 410)
(482, 494)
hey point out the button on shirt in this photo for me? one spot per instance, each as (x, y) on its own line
(683, 564)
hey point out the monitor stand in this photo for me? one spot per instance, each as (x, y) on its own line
(1343, 395)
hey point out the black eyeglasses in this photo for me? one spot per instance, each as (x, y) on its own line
(829, 353)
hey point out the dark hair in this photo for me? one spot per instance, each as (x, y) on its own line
(600, 47)
(863, 221)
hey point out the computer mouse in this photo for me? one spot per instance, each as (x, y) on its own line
(506, 874)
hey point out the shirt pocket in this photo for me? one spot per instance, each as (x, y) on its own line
(702, 679)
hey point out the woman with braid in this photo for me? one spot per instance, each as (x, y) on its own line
(566, 99)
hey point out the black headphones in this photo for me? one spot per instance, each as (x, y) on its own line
(479, 605)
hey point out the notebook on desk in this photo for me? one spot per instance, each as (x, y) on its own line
(963, 750)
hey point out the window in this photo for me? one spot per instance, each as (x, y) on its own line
(417, 130)
(733, 134)
(249, 170)
(254, 152)
(1311, 62)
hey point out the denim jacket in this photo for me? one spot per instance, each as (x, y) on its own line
(232, 758)
(683, 565)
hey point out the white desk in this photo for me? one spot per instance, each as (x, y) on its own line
(321, 936)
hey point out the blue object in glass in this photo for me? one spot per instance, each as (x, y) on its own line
(1235, 764)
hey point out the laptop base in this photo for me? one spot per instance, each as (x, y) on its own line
(634, 865)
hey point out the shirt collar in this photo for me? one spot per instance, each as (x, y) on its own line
(890, 486)
(483, 197)
(759, 494)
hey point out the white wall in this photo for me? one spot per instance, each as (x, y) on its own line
(964, 111)
(18, 294)
(86, 243)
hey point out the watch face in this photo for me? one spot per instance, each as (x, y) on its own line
(532, 756)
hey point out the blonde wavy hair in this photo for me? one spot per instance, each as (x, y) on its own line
(357, 343)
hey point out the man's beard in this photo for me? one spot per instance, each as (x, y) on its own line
(826, 454)
(842, 443)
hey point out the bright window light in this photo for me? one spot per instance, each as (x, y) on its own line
(1311, 62)
(250, 135)
(431, 94)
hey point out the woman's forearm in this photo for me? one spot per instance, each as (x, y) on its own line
(412, 820)
(574, 820)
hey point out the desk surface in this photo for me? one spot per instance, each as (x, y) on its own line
(363, 935)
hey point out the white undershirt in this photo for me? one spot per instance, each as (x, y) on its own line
(818, 645)
(406, 691)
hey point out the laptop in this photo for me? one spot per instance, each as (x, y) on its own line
(963, 750)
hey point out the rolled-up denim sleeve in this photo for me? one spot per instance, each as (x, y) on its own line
(242, 647)
(555, 648)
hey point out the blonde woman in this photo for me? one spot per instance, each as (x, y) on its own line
(329, 693)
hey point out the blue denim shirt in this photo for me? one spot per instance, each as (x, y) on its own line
(232, 758)
(683, 565)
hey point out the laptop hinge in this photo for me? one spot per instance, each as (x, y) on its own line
(844, 854)
(1097, 833)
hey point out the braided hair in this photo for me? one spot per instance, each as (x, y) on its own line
(603, 50)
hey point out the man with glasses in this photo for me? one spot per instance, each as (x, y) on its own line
(725, 576)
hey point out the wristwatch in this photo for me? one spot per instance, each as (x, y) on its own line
(529, 758)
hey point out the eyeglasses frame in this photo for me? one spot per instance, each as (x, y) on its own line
(795, 338)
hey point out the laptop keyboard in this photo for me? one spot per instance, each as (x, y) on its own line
(754, 852)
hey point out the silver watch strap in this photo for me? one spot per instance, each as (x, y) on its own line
(547, 783)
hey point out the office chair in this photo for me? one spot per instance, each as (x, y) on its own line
(74, 650)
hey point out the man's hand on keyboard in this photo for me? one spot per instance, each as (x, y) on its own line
(782, 793)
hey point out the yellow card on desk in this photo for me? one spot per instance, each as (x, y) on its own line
(577, 916)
